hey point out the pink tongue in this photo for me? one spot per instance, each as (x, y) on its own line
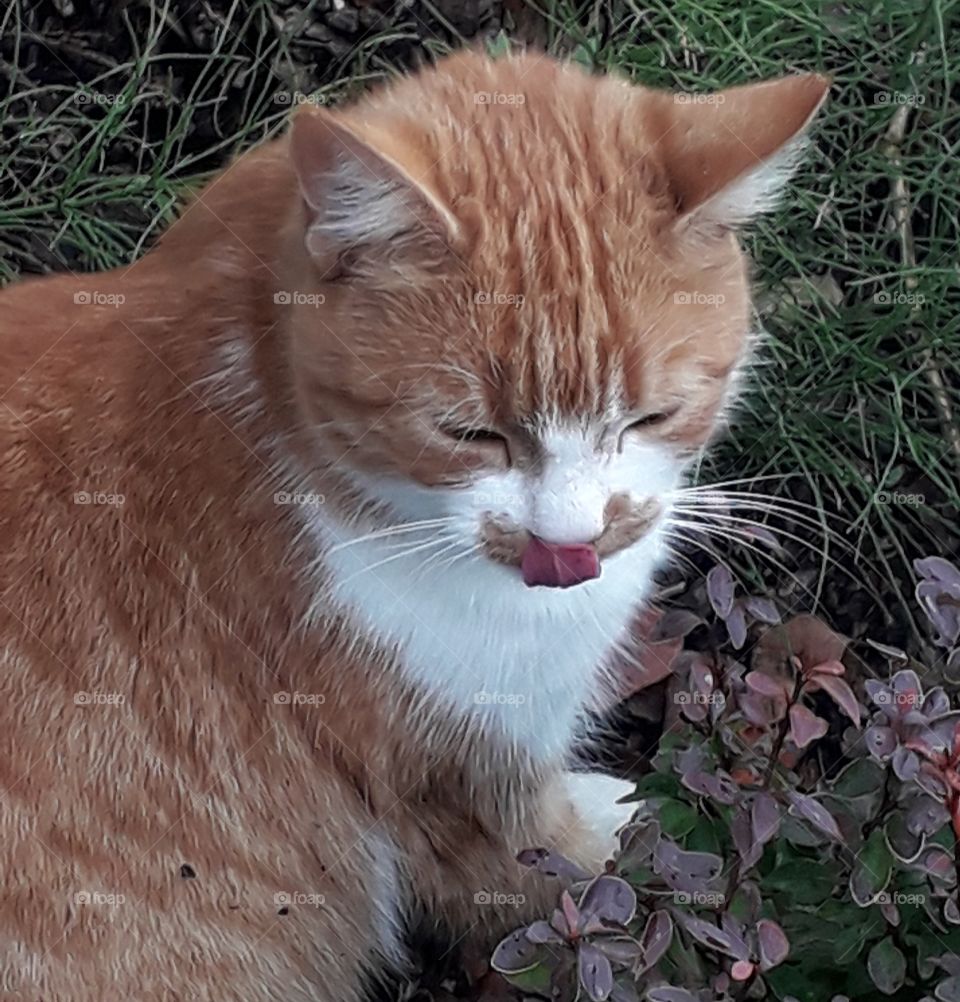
(558, 566)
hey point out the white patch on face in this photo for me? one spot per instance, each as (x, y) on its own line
(520, 662)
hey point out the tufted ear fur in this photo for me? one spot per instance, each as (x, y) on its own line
(729, 155)
(360, 202)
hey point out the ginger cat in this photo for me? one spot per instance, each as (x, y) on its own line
(321, 521)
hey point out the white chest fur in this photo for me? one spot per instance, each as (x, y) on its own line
(519, 662)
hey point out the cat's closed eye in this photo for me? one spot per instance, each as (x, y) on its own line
(652, 419)
(475, 435)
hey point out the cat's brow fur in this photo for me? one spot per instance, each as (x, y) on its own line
(203, 673)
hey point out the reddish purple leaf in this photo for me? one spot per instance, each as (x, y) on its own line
(813, 811)
(571, 913)
(907, 692)
(936, 703)
(559, 922)
(552, 864)
(759, 710)
(805, 726)
(543, 932)
(667, 993)
(685, 871)
(736, 930)
(765, 817)
(609, 899)
(656, 938)
(881, 742)
(773, 943)
(736, 624)
(718, 786)
(721, 590)
(905, 763)
(637, 842)
(702, 679)
(938, 569)
(930, 781)
(769, 686)
(832, 667)
(515, 954)
(841, 693)
(713, 937)
(937, 862)
(619, 951)
(741, 829)
(673, 624)
(763, 609)
(596, 974)
(926, 816)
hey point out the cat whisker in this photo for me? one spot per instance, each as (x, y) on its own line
(700, 544)
(783, 507)
(409, 552)
(721, 513)
(742, 540)
(716, 490)
(436, 560)
(394, 530)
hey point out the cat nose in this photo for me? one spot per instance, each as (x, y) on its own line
(570, 517)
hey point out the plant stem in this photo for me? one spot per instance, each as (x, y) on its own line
(781, 736)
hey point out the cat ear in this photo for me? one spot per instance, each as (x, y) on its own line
(360, 203)
(729, 154)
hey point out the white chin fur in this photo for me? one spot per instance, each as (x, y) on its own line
(521, 662)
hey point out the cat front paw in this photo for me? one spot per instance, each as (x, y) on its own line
(595, 797)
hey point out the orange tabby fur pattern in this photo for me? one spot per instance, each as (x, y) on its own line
(249, 730)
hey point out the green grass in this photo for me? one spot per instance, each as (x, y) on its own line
(857, 391)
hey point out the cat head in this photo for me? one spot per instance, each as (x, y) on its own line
(525, 304)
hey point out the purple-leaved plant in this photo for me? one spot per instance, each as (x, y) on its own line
(796, 838)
